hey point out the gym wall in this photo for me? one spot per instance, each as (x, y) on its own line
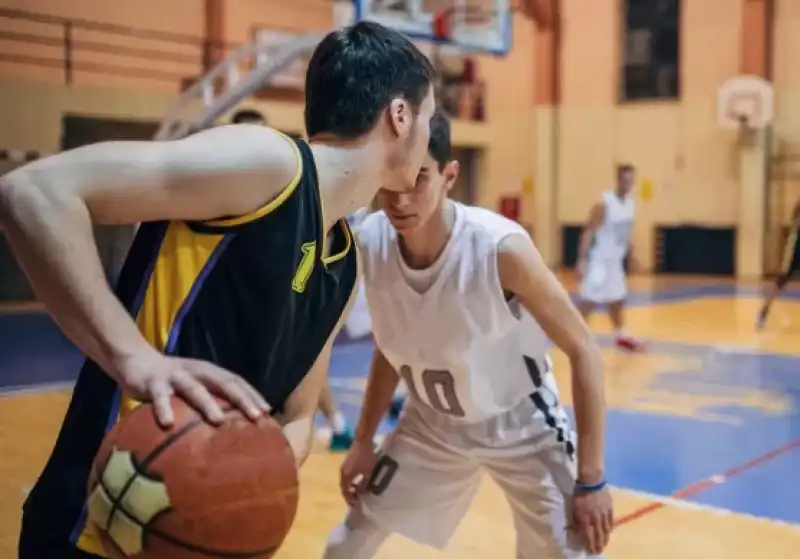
(569, 150)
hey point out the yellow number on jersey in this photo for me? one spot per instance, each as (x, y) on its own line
(305, 267)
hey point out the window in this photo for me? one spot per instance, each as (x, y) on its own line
(650, 50)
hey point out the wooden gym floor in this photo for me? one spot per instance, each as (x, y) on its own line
(703, 434)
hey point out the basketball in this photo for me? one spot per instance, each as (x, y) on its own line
(193, 490)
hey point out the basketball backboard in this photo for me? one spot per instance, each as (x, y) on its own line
(471, 25)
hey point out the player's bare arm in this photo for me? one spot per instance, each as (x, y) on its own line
(47, 209)
(381, 386)
(524, 273)
(298, 414)
(596, 217)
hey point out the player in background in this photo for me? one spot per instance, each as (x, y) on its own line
(242, 270)
(604, 246)
(462, 305)
(790, 265)
(248, 116)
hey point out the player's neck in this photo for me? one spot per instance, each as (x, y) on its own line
(423, 246)
(348, 174)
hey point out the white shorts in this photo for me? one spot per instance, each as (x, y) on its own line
(429, 472)
(604, 281)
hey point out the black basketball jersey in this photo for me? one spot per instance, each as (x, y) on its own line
(256, 295)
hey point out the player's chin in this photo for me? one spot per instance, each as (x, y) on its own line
(404, 223)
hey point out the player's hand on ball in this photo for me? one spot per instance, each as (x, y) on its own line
(593, 518)
(356, 469)
(155, 378)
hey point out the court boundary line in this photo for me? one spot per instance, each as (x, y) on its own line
(703, 485)
(691, 505)
(39, 388)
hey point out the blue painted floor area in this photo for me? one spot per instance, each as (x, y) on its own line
(687, 413)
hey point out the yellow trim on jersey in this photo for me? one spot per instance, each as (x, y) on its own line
(273, 204)
(330, 259)
(182, 256)
(789, 250)
(348, 242)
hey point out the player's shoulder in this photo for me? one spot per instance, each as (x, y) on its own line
(268, 154)
(490, 224)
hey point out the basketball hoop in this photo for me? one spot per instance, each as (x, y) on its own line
(456, 17)
(461, 20)
(747, 134)
(745, 104)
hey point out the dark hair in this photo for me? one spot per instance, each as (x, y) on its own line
(623, 168)
(355, 72)
(248, 116)
(439, 145)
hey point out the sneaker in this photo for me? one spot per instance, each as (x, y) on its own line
(628, 344)
(396, 408)
(341, 441)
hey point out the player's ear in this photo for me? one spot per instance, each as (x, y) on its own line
(401, 117)
(450, 173)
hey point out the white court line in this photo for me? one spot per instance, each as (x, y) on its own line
(689, 505)
(36, 388)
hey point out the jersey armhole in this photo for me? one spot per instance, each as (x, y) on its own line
(510, 299)
(226, 224)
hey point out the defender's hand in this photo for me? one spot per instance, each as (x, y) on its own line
(356, 469)
(155, 378)
(593, 518)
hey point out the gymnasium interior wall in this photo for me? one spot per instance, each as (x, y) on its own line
(675, 144)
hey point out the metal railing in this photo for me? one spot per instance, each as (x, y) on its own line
(70, 44)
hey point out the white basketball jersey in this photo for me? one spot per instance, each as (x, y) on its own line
(612, 238)
(462, 349)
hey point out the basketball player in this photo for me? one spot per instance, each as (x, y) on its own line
(789, 267)
(229, 287)
(604, 246)
(462, 305)
(248, 116)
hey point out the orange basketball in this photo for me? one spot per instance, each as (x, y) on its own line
(193, 491)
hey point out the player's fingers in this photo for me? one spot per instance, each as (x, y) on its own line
(231, 387)
(608, 521)
(592, 538)
(198, 396)
(348, 489)
(350, 496)
(160, 394)
(603, 532)
(233, 390)
(259, 400)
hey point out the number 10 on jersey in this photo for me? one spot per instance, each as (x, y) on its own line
(439, 388)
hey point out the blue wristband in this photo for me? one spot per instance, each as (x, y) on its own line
(590, 488)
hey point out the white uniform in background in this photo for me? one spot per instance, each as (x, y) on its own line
(482, 396)
(359, 322)
(604, 277)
